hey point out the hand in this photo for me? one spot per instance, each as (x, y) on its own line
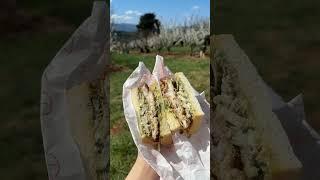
(142, 170)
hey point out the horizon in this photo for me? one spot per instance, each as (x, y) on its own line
(129, 12)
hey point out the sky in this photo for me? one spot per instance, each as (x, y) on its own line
(129, 11)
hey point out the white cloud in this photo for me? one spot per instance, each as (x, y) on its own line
(129, 16)
(132, 12)
(195, 7)
(121, 18)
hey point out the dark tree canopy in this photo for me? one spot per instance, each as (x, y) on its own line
(149, 24)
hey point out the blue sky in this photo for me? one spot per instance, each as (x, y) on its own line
(129, 11)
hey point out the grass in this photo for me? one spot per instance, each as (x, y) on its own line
(123, 150)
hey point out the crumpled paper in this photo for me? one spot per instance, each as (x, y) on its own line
(304, 140)
(82, 59)
(187, 158)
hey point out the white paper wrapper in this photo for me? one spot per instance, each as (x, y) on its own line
(187, 158)
(80, 61)
(296, 105)
(304, 140)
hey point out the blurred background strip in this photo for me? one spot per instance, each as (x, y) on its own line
(282, 40)
(31, 33)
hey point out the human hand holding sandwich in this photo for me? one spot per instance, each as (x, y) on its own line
(142, 170)
(269, 135)
(168, 115)
(168, 123)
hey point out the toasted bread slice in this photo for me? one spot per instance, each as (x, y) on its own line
(197, 112)
(165, 133)
(235, 78)
(172, 121)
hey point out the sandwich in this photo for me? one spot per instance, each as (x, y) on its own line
(165, 107)
(149, 107)
(248, 141)
(182, 109)
(87, 109)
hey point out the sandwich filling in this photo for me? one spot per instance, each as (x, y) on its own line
(149, 110)
(239, 152)
(176, 101)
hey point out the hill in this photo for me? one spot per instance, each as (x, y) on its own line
(125, 27)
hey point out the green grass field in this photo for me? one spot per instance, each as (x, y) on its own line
(123, 150)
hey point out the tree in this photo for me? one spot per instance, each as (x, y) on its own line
(148, 25)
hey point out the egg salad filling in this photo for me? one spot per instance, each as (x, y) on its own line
(149, 110)
(237, 147)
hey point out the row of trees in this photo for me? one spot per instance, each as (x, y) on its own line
(154, 36)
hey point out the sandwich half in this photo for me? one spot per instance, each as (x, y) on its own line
(182, 109)
(87, 112)
(149, 107)
(248, 141)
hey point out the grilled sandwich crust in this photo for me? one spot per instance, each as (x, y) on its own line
(197, 113)
(282, 161)
(291, 174)
(166, 138)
